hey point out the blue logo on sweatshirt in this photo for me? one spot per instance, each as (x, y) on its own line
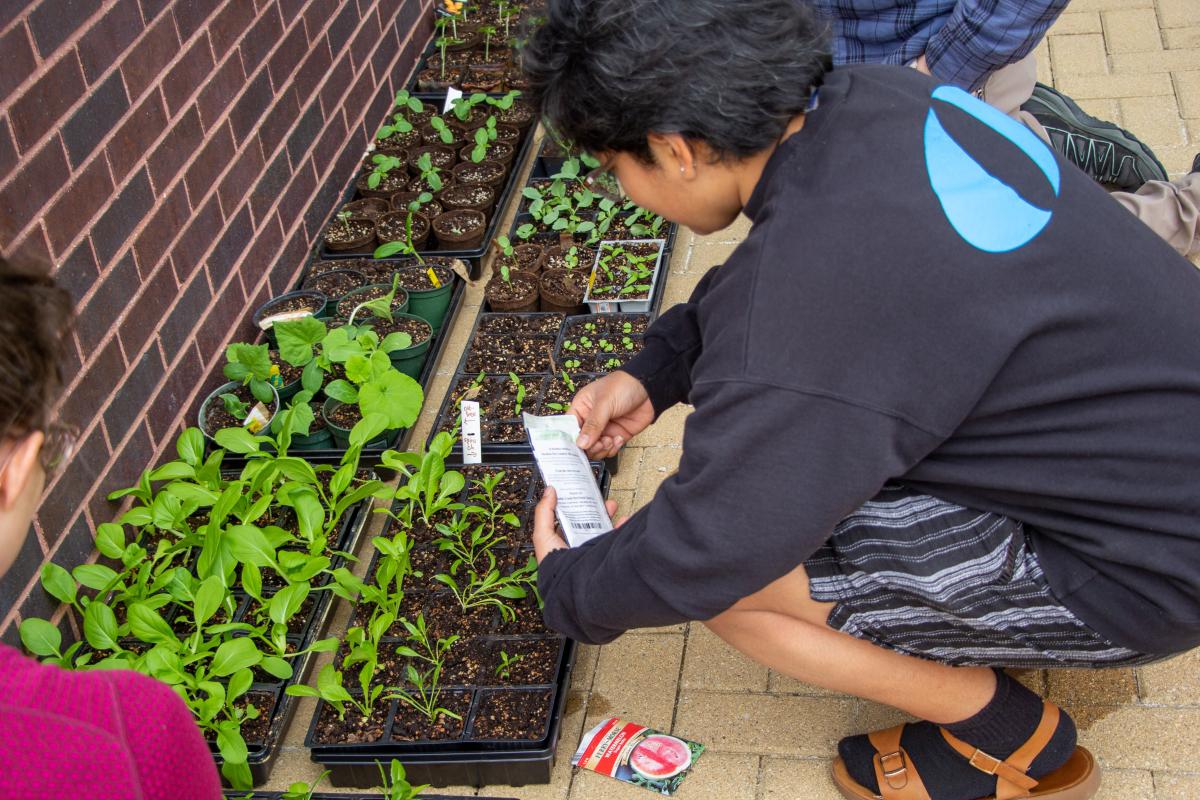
(986, 212)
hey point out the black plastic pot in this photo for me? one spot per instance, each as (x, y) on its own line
(341, 436)
(214, 395)
(320, 301)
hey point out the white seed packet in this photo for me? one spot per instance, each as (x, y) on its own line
(564, 466)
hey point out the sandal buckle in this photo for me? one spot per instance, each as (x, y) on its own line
(894, 766)
(984, 762)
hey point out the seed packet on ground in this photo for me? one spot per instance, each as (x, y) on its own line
(636, 754)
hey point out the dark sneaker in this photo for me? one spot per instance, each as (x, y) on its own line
(1196, 163)
(1108, 153)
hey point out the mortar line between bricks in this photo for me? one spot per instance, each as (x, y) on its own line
(164, 260)
(44, 63)
(185, 107)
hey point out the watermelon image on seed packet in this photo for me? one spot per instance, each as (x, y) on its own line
(636, 754)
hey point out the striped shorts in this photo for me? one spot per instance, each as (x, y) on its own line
(929, 578)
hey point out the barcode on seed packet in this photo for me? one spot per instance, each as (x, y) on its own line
(564, 466)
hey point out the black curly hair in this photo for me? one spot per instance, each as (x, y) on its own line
(730, 73)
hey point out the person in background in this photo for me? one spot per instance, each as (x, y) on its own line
(946, 414)
(986, 47)
(111, 735)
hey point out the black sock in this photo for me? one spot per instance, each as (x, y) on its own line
(1003, 725)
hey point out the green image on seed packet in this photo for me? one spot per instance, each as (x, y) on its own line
(669, 786)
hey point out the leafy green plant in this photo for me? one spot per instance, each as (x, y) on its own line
(384, 164)
(426, 692)
(250, 365)
(406, 247)
(519, 389)
(507, 662)
(484, 136)
(488, 32)
(488, 587)
(429, 487)
(394, 784)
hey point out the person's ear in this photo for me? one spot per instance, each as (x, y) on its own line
(674, 152)
(18, 470)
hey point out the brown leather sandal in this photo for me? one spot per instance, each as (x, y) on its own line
(1078, 779)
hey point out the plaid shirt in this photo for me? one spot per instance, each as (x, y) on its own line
(963, 42)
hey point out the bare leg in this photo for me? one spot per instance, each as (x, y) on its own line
(783, 628)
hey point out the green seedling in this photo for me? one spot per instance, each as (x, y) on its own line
(383, 166)
(250, 365)
(504, 668)
(394, 784)
(519, 389)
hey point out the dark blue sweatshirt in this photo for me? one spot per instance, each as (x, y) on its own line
(927, 295)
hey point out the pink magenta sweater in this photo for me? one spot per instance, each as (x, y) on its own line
(111, 735)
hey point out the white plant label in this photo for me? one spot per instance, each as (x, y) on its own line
(564, 466)
(287, 316)
(452, 94)
(472, 446)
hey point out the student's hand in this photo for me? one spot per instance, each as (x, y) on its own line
(546, 538)
(921, 65)
(611, 411)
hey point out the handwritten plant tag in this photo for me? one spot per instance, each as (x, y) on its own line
(637, 754)
(471, 441)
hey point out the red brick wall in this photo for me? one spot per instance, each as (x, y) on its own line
(175, 160)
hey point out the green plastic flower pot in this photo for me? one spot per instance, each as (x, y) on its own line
(411, 359)
(430, 304)
(341, 436)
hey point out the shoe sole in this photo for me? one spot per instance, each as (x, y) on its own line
(1065, 108)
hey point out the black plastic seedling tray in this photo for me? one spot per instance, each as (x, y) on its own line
(467, 760)
(498, 211)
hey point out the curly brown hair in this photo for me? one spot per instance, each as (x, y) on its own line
(35, 315)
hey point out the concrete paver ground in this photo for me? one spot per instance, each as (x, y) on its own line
(1135, 62)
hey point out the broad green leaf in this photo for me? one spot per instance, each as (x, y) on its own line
(313, 377)
(296, 339)
(395, 395)
(234, 655)
(58, 583)
(173, 470)
(329, 684)
(276, 666)
(237, 440)
(40, 637)
(287, 602)
(342, 391)
(249, 545)
(398, 340)
(370, 426)
(146, 624)
(110, 540)
(190, 446)
(208, 597)
(100, 626)
(94, 576)
(230, 742)
(252, 580)
(239, 683)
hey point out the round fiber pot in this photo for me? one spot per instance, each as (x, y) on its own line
(441, 157)
(400, 201)
(347, 304)
(433, 137)
(528, 257)
(304, 299)
(489, 173)
(395, 181)
(433, 80)
(392, 143)
(460, 230)
(243, 393)
(369, 207)
(392, 227)
(412, 358)
(520, 114)
(519, 294)
(477, 197)
(335, 284)
(562, 290)
(356, 234)
(510, 135)
(339, 423)
(501, 152)
(424, 299)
